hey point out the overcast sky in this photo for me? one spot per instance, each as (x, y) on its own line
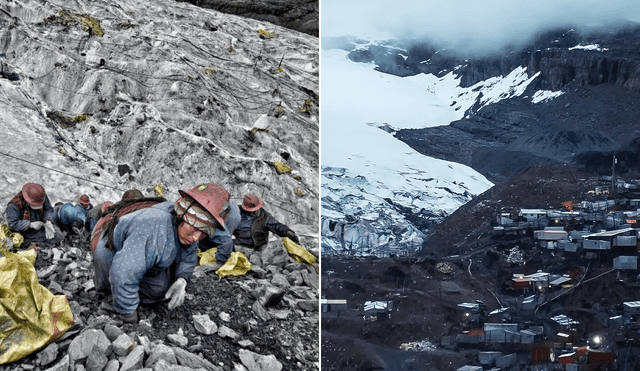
(472, 25)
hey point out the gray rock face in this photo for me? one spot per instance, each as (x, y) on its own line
(123, 345)
(83, 345)
(301, 15)
(63, 365)
(112, 332)
(226, 332)
(134, 359)
(191, 360)
(204, 324)
(268, 295)
(161, 352)
(257, 362)
(48, 354)
(182, 100)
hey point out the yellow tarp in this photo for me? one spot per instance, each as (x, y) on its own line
(30, 315)
(297, 252)
(236, 265)
(281, 168)
(207, 257)
(159, 188)
(16, 238)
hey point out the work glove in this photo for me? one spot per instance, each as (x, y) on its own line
(176, 293)
(292, 235)
(36, 225)
(49, 232)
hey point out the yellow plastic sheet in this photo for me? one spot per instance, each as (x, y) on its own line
(281, 168)
(297, 252)
(159, 188)
(207, 257)
(30, 315)
(236, 265)
(16, 238)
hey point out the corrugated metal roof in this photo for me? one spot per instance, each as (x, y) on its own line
(533, 211)
(499, 310)
(560, 281)
(609, 233)
(538, 276)
(564, 320)
(333, 301)
(371, 305)
(632, 304)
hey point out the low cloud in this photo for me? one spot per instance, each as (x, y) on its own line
(471, 26)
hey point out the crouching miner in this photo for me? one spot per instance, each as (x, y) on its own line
(148, 255)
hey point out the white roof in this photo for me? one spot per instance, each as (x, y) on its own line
(469, 305)
(632, 304)
(564, 320)
(533, 211)
(333, 301)
(371, 305)
(560, 281)
(609, 233)
(499, 310)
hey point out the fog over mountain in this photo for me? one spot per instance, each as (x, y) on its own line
(471, 27)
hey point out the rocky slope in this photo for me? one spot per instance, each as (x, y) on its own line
(302, 15)
(103, 96)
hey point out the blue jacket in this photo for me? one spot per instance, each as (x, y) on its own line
(223, 240)
(70, 215)
(17, 224)
(146, 241)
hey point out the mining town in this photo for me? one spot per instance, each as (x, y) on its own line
(537, 287)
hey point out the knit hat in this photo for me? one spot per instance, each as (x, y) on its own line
(84, 200)
(251, 203)
(193, 213)
(34, 195)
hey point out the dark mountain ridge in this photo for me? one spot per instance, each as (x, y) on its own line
(598, 74)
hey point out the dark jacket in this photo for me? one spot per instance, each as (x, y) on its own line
(253, 231)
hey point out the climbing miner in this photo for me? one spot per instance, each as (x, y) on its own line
(30, 213)
(72, 216)
(148, 251)
(255, 225)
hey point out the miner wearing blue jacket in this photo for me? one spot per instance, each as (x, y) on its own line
(30, 213)
(69, 215)
(154, 250)
(223, 239)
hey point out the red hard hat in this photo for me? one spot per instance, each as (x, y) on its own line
(214, 198)
(84, 200)
(34, 194)
(105, 205)
(251, 203)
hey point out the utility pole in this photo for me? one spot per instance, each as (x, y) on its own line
(613, 175)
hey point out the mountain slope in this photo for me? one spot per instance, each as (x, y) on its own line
(98, 97)
(568, 98)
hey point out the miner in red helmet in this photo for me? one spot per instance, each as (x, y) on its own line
(256, 223)
(70, 216)
(150, 254)
(30, 213)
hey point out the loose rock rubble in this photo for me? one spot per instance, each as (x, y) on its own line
(249, 322)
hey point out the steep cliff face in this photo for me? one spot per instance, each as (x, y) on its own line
(593, 114)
